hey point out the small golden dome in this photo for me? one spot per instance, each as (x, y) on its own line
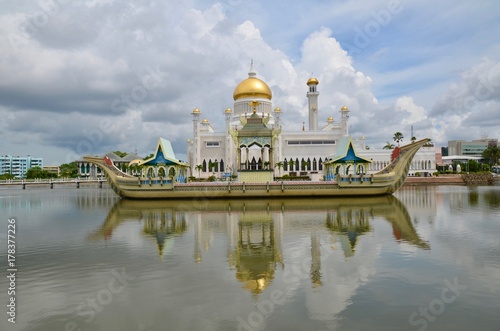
(344, 108)
(228, 110)
(196, 111)
(204, 121)
(312, 80)
(252, 87)
(277, 110)
(330, 119)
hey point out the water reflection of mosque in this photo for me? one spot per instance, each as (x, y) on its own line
(254, 229)
(163, 224)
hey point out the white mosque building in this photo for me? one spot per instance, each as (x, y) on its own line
(295, 153)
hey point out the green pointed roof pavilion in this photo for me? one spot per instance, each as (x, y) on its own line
(164, 154)
(346, 153)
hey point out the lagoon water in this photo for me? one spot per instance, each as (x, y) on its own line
(427, 258)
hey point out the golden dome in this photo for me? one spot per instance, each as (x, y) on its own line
(330, 119)
(277, 109)
(344, 108)
(204, 121)
(312, 80)
(196, 111)
(252, 87)
(228, 110)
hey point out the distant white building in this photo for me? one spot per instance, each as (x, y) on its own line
(18, 166)
(218, 153)
(470, 148)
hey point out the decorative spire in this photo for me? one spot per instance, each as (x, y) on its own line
(252, 72)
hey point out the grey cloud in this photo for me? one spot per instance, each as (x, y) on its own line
(485, 117)
(479, 84)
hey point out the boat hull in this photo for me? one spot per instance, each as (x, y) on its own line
(227, 190)
(384, 182)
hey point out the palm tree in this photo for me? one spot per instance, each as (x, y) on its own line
(491, 154)
(291, 163)
(413, 139)
(212, 165)
(279, 165)
(305, 164)
(199, 167)
(388, 145)
(398, 136)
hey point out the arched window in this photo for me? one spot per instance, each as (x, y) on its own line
(161, 172)
(204, 164)
(221, 166)
(320, 164)
(171, 172)
(315, 165)
(253, 164)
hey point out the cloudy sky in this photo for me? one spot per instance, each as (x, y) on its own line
(90, 76)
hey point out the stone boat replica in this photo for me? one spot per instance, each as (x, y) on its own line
(344, 176)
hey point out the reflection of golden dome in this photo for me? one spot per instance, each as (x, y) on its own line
(312, 80)
(277, 109)
(344, 108)
(228, 110)
(256, 275)
(196, 111)
(256, 286)
(252, 87)
(204, 121)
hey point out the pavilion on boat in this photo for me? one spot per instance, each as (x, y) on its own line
(346, 161)
(163, 163)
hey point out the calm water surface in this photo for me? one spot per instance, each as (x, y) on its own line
(427, 258)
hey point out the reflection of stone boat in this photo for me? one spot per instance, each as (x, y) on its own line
(173, 185)
(340, 215)
(254, 229)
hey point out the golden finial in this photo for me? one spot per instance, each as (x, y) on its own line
(254, 104)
